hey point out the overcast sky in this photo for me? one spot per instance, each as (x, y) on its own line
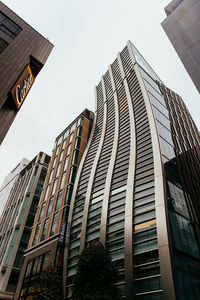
(87, 35)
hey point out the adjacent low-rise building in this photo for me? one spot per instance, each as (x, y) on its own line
(16, 222)
(50, 230)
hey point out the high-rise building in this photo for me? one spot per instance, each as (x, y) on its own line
(137, 186)
(182, 27)
(23, 53)
(49, 233)
(16, 222)
(8, 183)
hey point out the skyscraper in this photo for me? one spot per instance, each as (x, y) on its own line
(23, 53)
(49, 233)
(16, 222)
(137, 186)
(182, 27)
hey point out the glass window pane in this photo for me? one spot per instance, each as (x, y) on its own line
(50, 206)
(54, 224)
(58, 203)
(145, 246)
(44, 229)
(145, 235)
(145, 225)
(150, 284)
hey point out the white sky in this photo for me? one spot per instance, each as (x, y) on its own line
(87, 35)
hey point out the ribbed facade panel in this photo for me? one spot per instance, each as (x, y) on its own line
(123, 188)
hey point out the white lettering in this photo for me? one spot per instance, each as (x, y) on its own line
(21, 92)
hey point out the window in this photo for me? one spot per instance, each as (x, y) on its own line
(44, 231)
(148, 270)
(42, 211)
(68, 149)
(66, 163)
(58, 200)
(144, 200)
(47, 192)
(36, 234)
(117, 254)
(9, 27)
(123, 188)
(115, 226)
(143, 180)
(37, 265)
(73, 127)
(94, 212)
(77, 143)
(50, 206)
(61, 155)
(183, 234)
(66, 134)
(58, 170)
(145, 235)
(54, 187)
(57, 150)
(116, 244)
(62, 181)
(64, 214)
(144, 208)
(54, 224)
(147, 257)
(145, 246)
(116, 218)
(115, 236)
(92, 236)
(72, 175)
(79, 131)
(71, 137)
(79, 220)
(144, 193)
(117, 203)
(94, 227)
(69, 194)
(95, 206)
(145, 225)
(20, 253)
(117, 210)
(64, 144)
(3, 45)
(54, 162)
(146, 285)
(75, 157)
(51, 176)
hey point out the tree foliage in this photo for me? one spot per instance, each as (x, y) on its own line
(49, 286)
(96, 275)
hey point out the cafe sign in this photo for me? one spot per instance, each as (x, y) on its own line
(22, 86)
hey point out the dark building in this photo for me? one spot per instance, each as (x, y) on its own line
(23, 53)
(182, 27)
(16, 222)
(49, 233)
(137, 187)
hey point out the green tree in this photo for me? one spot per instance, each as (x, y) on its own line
(96, 275)
(49, 286)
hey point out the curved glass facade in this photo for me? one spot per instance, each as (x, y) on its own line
(131, 192)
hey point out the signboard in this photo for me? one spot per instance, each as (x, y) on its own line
(22, 86)
(64, 234)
